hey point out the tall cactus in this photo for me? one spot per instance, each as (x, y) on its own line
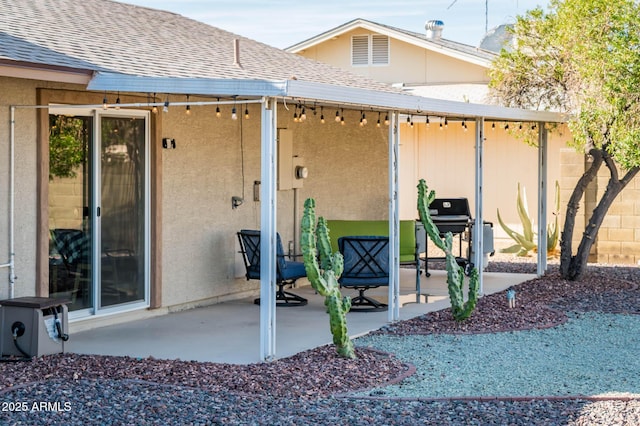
(455, 273)
(324, 276)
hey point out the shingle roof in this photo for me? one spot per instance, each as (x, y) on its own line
(107, 36)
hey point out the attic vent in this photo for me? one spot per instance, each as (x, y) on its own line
(360, 50)
(379, 49)
(370, 50)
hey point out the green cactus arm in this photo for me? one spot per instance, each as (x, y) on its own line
(324, 244)
(338, 263)
(309, 251)
(523, 212)
(424, 200)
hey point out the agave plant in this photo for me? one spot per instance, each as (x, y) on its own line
(525, 241)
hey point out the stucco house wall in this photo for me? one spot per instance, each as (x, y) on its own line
(215, 159)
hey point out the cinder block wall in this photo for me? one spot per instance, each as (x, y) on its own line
(618, 239)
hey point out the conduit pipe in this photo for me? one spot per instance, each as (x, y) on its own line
(11, 263)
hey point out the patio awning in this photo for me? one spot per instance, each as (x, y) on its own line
(354, 97)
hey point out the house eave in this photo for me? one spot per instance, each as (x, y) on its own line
(32, 71)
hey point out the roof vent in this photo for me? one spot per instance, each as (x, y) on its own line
(434, 29)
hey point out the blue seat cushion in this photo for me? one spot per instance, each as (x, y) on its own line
(293, 270)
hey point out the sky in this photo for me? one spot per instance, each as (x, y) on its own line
(283, 23)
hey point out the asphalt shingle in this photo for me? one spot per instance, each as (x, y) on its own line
(103, 35)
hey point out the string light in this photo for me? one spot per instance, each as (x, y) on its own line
(234, 115)
(386, 119)
(493, 126)
(246, 113)
(188, 107)
(342, 117)
(295, 114)
(322, 115)
(427, 122)
(337, 116)
(364, 119)
(378, 122)
(218, 113)
(118, 101)
(303, 114)
(411, 122)
(165, 108)
(104, 101)
(506, 126)
(155, 107)
(441, 128)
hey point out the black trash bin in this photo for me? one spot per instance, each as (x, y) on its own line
(39, 324)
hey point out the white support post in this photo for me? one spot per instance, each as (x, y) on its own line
(268, 231)
(478, 241)
(542, 199)
(394, 222)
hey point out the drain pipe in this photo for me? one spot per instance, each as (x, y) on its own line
(11, 263)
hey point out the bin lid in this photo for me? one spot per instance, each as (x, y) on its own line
(33, 302)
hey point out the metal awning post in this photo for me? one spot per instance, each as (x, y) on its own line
(478, 238)
(394, 221)
(268, 231)
(542, 199)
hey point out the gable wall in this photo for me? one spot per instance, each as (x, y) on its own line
(409, 64)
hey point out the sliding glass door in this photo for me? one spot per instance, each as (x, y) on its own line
(99, 211)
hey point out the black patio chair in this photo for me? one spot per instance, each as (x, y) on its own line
(287, 271)
(366, 265)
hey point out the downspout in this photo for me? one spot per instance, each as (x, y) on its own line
(11, 263)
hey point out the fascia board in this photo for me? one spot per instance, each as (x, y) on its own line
(45, 74)
(194, 86)
(327, 35)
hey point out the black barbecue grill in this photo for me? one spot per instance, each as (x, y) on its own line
(451, 215)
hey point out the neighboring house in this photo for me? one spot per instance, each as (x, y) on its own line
(427, 64)
(145, 140)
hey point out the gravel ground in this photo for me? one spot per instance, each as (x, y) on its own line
(316, 387)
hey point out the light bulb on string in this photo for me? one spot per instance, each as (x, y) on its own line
(427, 122)
(364, 118)
(165, 108)
(337, 116)
(386, 119)
(105, 105)
(188, 107)
(234, 115)
(246, 113)
(378, 122)
(322, 115)
(303, 114)
(218, 113)
(118, 101)
(154, 109)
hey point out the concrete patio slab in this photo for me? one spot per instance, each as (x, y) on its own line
(230, 332)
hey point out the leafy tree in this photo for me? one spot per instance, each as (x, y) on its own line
(581, 57)
(66, 146)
